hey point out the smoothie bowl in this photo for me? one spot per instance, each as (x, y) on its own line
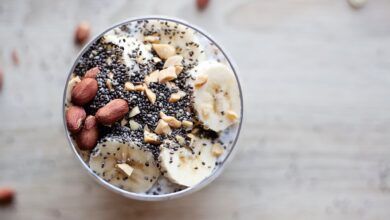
(153, 108)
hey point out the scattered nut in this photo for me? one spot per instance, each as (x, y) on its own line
(231, 115)
(172, 121)
(181, 140)
(156, 59)
(134, 125)
(152, 39)
(125, 168)
(162, 127)
(167, 74)
(135, 111)
(123, 122)
(164, 51)
(174, 61)
(75, 117)
(151, 96)
(110, 75)
(82, 32)
(88, 136)
(139, 88)
(187, 124)
(1, 79)
(84, 91)
(357, 4)
(112, 111)
(6, 195)
(152, 77)
(151, 138)
(129, 86)
(200, 80)
(92, 73)
(216, 150)
(202, 4)
(176, 96)
(109, 84)
(15, 57)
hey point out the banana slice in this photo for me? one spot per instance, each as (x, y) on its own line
(135, 53)
(186, 167)
(216, 95)
(108, 155)
(72, 82)
(182, 38)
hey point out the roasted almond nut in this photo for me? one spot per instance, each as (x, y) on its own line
(125, 168)
(172, 121)
(174, 61)
(134, 125)
(75, 117)
(202, 4)
(164, 51)
(92, 73)
(216, 150)
(1, 79)
(176, 96)
(167, 74)
(152, 77)
(82, 32)
(231, 115)
(88, 136)
(162, 127)
(200, 80)
(6, 195)
(129, 86)
(150, 94)
(112, 112)
(109, 84)
(84, 91)
(134, 111)
(139, 88)
(187, 124)
(151, 138)
(152, 39)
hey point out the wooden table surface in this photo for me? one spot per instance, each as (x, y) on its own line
(316, 138)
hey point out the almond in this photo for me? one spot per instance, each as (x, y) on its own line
(172, 121)
(231, 115)
(216, 150)
(151, 38)
(129, 86)
(151, 138)
(88, 136)
(6, 195)
(164, 51)
(84, 91)
(174, 61)
(167, 74)
(125, 168)
(202, 4)
(92, 73)
(200, 80)
(162, 127)
(75, 117)
(1, 79)
(82, 32)
(150, 94)
(112, 111)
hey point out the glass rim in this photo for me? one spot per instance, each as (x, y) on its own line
(188, 190)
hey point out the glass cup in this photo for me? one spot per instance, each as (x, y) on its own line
(232, 134)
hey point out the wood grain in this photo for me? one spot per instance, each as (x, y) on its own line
(315, 141)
